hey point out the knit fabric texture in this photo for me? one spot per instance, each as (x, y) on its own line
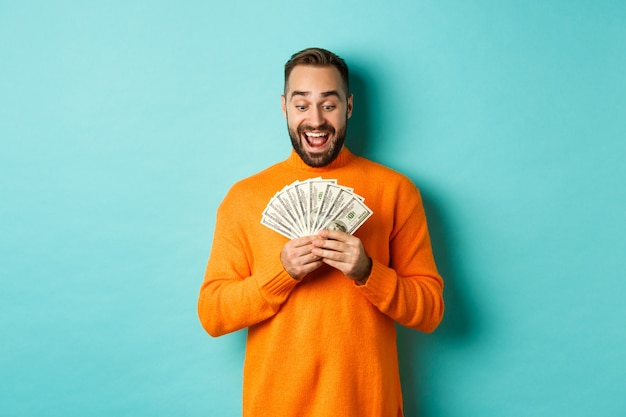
(322, 346)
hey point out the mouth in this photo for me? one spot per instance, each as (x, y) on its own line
(316, 141)
(317, 145)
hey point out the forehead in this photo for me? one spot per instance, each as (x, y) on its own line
(315, 80)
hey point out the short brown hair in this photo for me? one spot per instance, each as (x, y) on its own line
(320, 58)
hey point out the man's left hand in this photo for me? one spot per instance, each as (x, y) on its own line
(343, 252)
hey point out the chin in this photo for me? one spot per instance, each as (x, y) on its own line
(318, 159)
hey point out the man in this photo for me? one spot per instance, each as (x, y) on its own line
(320, 309)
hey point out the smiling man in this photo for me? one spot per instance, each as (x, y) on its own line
(321, 309)
(317, 112)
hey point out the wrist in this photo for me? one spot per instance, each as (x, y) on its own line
(368, 270)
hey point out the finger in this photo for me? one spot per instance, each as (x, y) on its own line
(328, 244)
(310, 258)
(330, 253)
(308, 268)
(299, 270)
(335, 264)
(334, 235)
(298, 247)
(300, 241)
(353, 270)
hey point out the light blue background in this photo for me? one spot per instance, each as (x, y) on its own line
(123, 124)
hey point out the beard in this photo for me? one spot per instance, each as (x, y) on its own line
(318, 159)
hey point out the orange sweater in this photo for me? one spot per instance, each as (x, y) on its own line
(322, 346)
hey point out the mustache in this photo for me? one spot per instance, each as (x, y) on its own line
(323, 127)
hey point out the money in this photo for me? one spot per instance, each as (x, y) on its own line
(303, 208)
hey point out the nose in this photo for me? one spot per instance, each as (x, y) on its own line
(317, 117)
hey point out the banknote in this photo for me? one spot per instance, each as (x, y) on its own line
(304, 208)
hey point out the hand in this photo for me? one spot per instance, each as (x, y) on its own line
(297, 258)
(343, 252)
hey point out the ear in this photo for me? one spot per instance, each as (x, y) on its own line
(350, 101)
(284, 105)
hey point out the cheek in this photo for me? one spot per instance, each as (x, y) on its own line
(293, 119)
(339, 121)
(292, 124)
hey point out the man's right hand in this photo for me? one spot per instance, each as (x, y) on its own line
(297, 258)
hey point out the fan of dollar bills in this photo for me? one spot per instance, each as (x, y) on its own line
(304, 208)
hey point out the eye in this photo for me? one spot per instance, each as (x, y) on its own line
(329, 107)
(301, 107)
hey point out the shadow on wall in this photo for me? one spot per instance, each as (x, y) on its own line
(415, 348)
(359, 127)
(417, 351)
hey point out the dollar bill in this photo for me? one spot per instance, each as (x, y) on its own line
(350, 217)
(305, 207)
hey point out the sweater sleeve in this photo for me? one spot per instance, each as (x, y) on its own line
(233, 296)
(409, 289)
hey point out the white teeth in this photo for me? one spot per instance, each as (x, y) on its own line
(315, 135)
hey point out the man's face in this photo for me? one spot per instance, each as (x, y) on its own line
(317, 111)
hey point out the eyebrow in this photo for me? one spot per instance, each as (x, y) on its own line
(334, 93)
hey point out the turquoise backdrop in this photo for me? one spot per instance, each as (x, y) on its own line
(124, 123)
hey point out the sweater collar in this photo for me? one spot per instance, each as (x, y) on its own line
(343, 159)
